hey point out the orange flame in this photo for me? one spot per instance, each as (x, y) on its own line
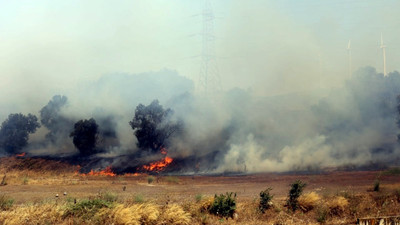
(21, 155)
(106, 172)
(159, 165)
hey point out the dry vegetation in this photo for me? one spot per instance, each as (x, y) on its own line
(182, 200)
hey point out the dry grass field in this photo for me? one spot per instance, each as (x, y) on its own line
(29, 188)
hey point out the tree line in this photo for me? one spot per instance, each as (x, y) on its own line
(152, 125)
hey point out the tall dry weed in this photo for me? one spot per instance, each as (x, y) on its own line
(174, 214)
(337, 205)
(308, 201)
(32, 214)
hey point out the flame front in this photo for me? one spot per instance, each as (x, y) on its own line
(106, 172)
(21, 155)
(159, 165)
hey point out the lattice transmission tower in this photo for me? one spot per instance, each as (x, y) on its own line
(209, 79)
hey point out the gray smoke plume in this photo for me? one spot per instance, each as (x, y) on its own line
(353, 125)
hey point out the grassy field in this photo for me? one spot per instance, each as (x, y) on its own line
(29, 190)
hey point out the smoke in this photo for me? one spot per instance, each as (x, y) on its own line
(235, 131)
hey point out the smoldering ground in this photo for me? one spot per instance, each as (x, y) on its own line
(234, 131)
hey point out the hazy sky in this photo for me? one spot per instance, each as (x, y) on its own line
(271, 47)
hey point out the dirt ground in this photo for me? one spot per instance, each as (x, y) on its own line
(185, 188)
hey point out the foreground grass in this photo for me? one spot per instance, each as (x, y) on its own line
(106, 208)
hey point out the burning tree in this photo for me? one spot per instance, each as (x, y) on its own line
(153, 126)
(85, 136)
(15, 130)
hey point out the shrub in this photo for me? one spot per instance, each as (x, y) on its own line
(294, 193)
(224, 205)
(173, 180)
(86, 208)
(265, 200)
(308, 201)
(25, 180)
(138, 198)
(376, 186)
(198, 197)
(150, 179)
(5, 202)
(108, 196)
(322, 214)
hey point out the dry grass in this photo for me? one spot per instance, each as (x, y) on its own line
(174, 214)
(33, 214)
(170, 202)
(309, 201)
(337, 205)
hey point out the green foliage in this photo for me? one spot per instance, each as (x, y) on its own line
(198, 197)
(294, 193)
(25, 180)
(171, 179)
(265, 200)
(85, 136)
(138, 198)
(153, 126)
(86, 209)
(6, 202)
(108, 196)
(224, 205)
(376, 186)
(392, 171)
(322, 214)
(150, 179)
(15, 130)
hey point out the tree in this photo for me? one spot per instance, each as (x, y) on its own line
(50, 117)
(15, 130)
(153, 126)
(85, 135)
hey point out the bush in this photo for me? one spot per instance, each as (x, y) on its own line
(173, 180)
(6, 202)
(322, 214)
(308, 201)
(224, 205)
(265, 200)
(138, 198)
(376, 186)
(198, 197)
(150, 179)
(294, 193)
(86, 208)
(108, 196)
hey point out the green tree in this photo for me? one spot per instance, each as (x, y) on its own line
(153, 126)
(15, 130)
(85, 136)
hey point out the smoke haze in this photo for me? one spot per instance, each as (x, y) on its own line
(288, 102)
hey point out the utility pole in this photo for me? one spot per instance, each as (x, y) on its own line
(383, 47)
(349, 53)
(209, 79)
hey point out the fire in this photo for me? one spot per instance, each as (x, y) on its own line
(106, 172)
(159, 165)
(21, 155)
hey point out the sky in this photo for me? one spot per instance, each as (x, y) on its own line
(268, 47)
